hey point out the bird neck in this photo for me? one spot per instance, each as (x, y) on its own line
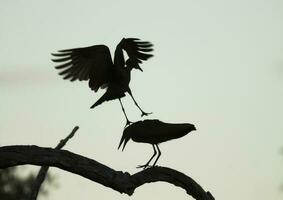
(129, 68)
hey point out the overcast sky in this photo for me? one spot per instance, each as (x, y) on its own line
(217, 64)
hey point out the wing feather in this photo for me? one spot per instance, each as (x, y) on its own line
(137, 50)
(85, 63)
(62, 59)
(60, 54)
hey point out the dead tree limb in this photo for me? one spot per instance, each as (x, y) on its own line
(44, 169)
(122, 182)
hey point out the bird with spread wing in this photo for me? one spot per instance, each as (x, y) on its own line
(94, 64)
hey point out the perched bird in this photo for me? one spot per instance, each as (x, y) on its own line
(154, 132)
(94, 64)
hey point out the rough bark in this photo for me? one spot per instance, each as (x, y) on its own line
(120, 181)
(44, 169)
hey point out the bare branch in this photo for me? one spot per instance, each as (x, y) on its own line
(64, 142)
(122, 182)
(43, 170)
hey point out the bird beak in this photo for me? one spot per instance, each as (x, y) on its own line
(124, 140)
(139, 68)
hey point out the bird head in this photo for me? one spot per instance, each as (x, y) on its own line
(125, 138)
(133, 63)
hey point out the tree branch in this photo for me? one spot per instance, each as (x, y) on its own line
(43, 170)
(122, 182)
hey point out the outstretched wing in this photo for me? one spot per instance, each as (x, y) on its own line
(137, 51)
(92, 63)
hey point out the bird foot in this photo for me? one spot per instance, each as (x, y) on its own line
(145, 114)
(143, 166)
(128, 123)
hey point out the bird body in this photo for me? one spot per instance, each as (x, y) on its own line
(94, 64)
(154, 132)
(117, 87)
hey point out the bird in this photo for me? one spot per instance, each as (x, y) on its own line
(94, 64)
(154, 132)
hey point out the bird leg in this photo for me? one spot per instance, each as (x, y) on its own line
(128, 121)
(159, 154)
(147, 164)
(143, 113)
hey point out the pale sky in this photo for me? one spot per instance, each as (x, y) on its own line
(218, 64)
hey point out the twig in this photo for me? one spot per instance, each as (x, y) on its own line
(122, 182)
(43, 170)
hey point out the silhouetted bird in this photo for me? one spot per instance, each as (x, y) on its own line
(94, 64)
(154, 132)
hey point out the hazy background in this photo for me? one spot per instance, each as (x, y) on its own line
(218, 64)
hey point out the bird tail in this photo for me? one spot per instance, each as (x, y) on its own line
(99, 101)
(125, 138)
(107, 96)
